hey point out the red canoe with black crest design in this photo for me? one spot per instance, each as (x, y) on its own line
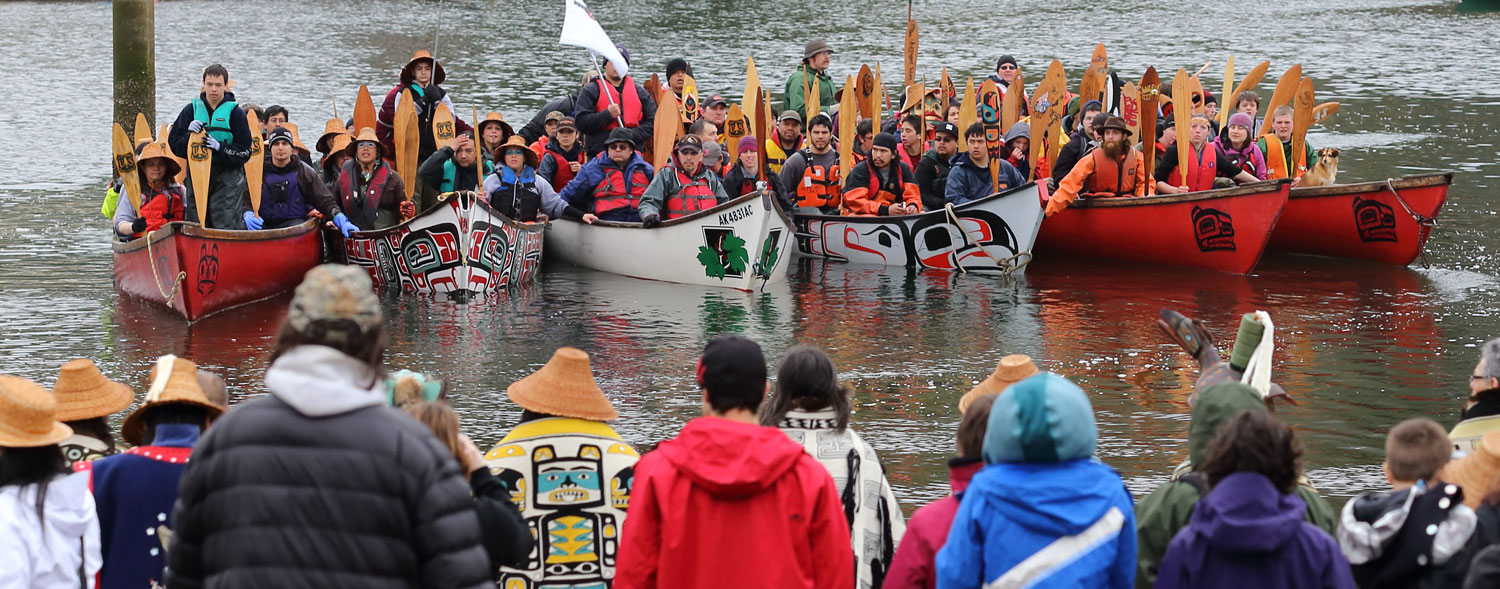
(198, 272)
(1387, 221)
(1225, 230)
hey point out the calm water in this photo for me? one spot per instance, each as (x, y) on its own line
(1361, 346)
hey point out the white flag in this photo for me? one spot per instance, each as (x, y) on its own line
(581, 30)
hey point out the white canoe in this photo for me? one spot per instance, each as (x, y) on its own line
(742, 244)
(979, 235)
(461, 248)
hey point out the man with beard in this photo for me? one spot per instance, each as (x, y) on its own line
(291, 191)
(813, 171)
(882, 185)
(932, 169)
(970, 177)
(786, 140)
(1113, 169)
(1206, 164)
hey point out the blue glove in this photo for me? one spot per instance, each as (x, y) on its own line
(253, 222)
(195, 126)
(344, 225)
(211, 142)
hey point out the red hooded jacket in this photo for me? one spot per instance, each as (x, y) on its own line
(913, 567)
(726, 505)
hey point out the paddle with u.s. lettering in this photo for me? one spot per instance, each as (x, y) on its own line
(442, 125)
(125, 165)
(1302, 118)
(1150, 93)
(256, 165)
(735, 128)
(364, 111)
(1182, 115)
(200, 165)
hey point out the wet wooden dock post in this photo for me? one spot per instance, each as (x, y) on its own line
(135, 61)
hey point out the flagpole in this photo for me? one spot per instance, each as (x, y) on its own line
(595, 59)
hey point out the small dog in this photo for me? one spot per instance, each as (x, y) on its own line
(1325, 172)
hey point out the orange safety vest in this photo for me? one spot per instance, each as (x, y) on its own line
(692, 195)
(1201, 170)
(1276, 159)
(611, 194)
(161, 207)
(630, 104)
(1109, 177)
(820, 186)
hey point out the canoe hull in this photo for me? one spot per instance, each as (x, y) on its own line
(461, 248)
(998, 227)
(198, 272)
(742, 244)
(1224, 230)
(1363, 221)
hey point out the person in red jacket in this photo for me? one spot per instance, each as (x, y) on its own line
(729, 503)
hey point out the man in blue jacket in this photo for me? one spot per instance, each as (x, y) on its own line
(611, 185)
(215, 111)
(970, 178)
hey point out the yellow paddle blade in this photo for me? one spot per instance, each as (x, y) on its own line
(255, 166)
(967, 113)
(407, 141)
(1010, 106)
(1048, 105)
(865, 82)
(879, 98)
(125, 165)
(1321, 112)
(1251, 80)
(1302, 118)
(1130, 108)
(1224, 98)
(848, 113)
(665, 128)
(689, 100)
(752, 89)
(1286, 90)
(815, 100)
(1182, 108)
(910, 53)
(200, 165)
(142, 129)
(735, 129)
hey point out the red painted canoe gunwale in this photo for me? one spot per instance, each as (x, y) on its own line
(214, 269)
(1224, 230)
(1363, 221)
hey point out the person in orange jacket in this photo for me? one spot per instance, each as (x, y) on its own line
(1114, 168)
(882, 185)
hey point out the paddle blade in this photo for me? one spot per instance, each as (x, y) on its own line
(1130, 108)
(1010, 105)
(763, 130)
(1286, 90)
(1048, 105)
(967, 112)
(442, 126)
(1224, 98)
(1302, 118)
(910, 53)
(142, 129)
(200, 165)
(752, 88)
(814, 100)
(1150, 91)
(989, 115)
(666, 126)
(255, 166)
(879, 99)
(1182, 100)
(478, 141)
(1251, 80)
(865, 82)
(364, 111)
(1321, 112)
(950, 92)
(735, 129)
(1091, 87)
(125, 165)
(847, 121)
(690, 101)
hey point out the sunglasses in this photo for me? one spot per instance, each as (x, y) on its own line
(1007, 67)
(620, 147)
(688, 151)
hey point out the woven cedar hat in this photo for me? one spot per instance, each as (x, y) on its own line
(28, 415)
(153, 151)
(438, 75)
(173, 380)
(495, 118)
(331, 130)
(519, 141)
(82, 392)
(296, 137)
(564, 387)
(366, 134)
(1011, 370)
(1477, 472)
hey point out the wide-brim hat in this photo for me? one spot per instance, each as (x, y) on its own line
(438, 75)
(366, 134)
(495, 118)
(815, 47)
(1011, 370)
(173, 381)
(564, 387)
(333, 128)
(1476, 473)
(82, 392)
(28, 415)
(1116, 123)
(518, 141)
(157, 151)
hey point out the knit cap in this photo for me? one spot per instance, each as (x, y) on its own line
(1241, 119)
(335, 292)
(1042, 419)
(749, 143)
(886, 140)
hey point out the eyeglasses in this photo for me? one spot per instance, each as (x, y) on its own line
(688, 151)
(1474, 377)
(1007, 67)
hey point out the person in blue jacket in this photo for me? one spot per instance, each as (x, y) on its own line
(1043, 512)
(611, 185)
(970, 178)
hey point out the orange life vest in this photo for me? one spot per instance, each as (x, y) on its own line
(1201, 170)
(159, 207)
(1110, 178)
(1277, 157)
(612, 194)
(692, 195)
(630, 105)
(820, 186)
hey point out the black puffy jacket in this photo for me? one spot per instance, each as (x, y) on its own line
(365, 498)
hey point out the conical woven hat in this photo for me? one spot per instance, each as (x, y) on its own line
(333, 128)
(564, 387)
(173, 380)
(82, 392)
(28, 415)
(1011, 370)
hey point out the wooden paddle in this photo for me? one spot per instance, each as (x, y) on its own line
(763, 128)
(806, 97)
(1250, 81)
(142, 129)
(442, 126)
(690, 100)
(1182, 100)
(364, 111)
(256, 165)
(752, 88)
(1196, 91)
(407, 141)
(1091, 87)
(125, 165)
(949, 92)
(1286, 90)
(1010, 105)
(1130, 109)
(735, 128)
(1150, 91)
(989, 116)
(847, 122)
(653, 87)
(666, 126)
(1224, 99)
(181, 162)
(1321, 112)
(910, 53)
(814, 101)
(1302, 119)
(967, 113)
(200, 165)
(1048, 105)
(882, 101)
(865, 82)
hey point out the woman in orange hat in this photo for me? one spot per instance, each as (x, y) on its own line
(421, 75)
(161, 199)
(49, 533)
(568, 470)
(85, 400)
(494, 132)
(370, 193)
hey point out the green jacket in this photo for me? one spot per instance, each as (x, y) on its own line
(793, 98)
(1167, 509)
(665, 185)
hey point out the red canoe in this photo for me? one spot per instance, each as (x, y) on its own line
(1224, 230)
(1386, 222)
(199, 272)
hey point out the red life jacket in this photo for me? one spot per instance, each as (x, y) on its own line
(1110, 178)
(611, 193)
(161, 207)
(361, 208)
(564, 173)
(630, 107)
(820, 186)
(894, 190)
(692, 195)
(1201, 170)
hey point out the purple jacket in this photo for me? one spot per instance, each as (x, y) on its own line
(1249, 159)
(927, 531)
(1246, 534)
